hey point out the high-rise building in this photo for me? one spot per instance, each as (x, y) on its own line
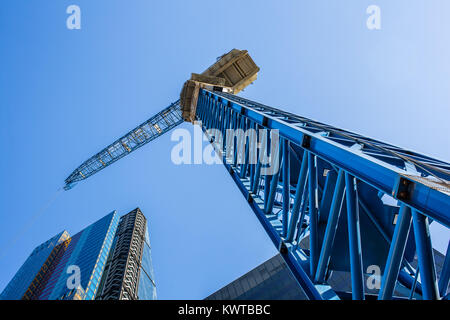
(46, 273)
(271, 280)
(34, 268)
(107, 260)
(128, 273)
(85, 259)
(40, 280)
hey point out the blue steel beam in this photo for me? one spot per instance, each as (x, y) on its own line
(313, 237)
(273, 185)
(314, 149)
(396, 252)
(427, 192)
(425, 256)
(410, 282)
(286, 185)
(271, 224)
(261, 200)
(414, 285)
(445, 274)
(258, 166)
(302, 226)
(330, 231)
(354, 237)
(297, 198)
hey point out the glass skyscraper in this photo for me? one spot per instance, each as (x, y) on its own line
(129, 273)
(37, 263)
(106, 260)
(86, 252)
(147, 286)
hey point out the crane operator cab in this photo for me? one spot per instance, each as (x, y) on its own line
(232, 73)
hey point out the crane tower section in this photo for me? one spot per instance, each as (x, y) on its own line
(337, 202)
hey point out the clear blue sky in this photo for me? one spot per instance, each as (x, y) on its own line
(65, 94)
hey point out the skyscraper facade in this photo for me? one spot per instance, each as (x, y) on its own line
(84, 259)
(110, 259)
(35, 267)
(40, 280)
(129, 273)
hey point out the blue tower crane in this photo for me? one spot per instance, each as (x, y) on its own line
(336, 201)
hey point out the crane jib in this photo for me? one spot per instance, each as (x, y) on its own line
(154, 127)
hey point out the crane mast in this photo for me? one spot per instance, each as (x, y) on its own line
(340, 202)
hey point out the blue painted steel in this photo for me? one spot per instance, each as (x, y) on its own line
(445, 274)
(302, 226)
(396, 252)
(326, 195)
(269, 221)
(410, 282)
(151, 129)
(377, 164)
(332, 224)
(286, 185)
(374, 221)
(273, 185)
(254, 154)
(414, 285)
(267, 179)
(270, 226)
(246, 151)
(379, 168)
(425, 256)
(313, 236)
(354, 237)
(298, 198)
(258, 166)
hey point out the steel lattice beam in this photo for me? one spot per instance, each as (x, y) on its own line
(151, 129)
(304, 202)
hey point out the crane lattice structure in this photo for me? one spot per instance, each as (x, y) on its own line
(339, 201)
(151, 129)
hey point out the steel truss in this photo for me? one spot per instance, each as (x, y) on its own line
(151, 129)
(341, 201)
